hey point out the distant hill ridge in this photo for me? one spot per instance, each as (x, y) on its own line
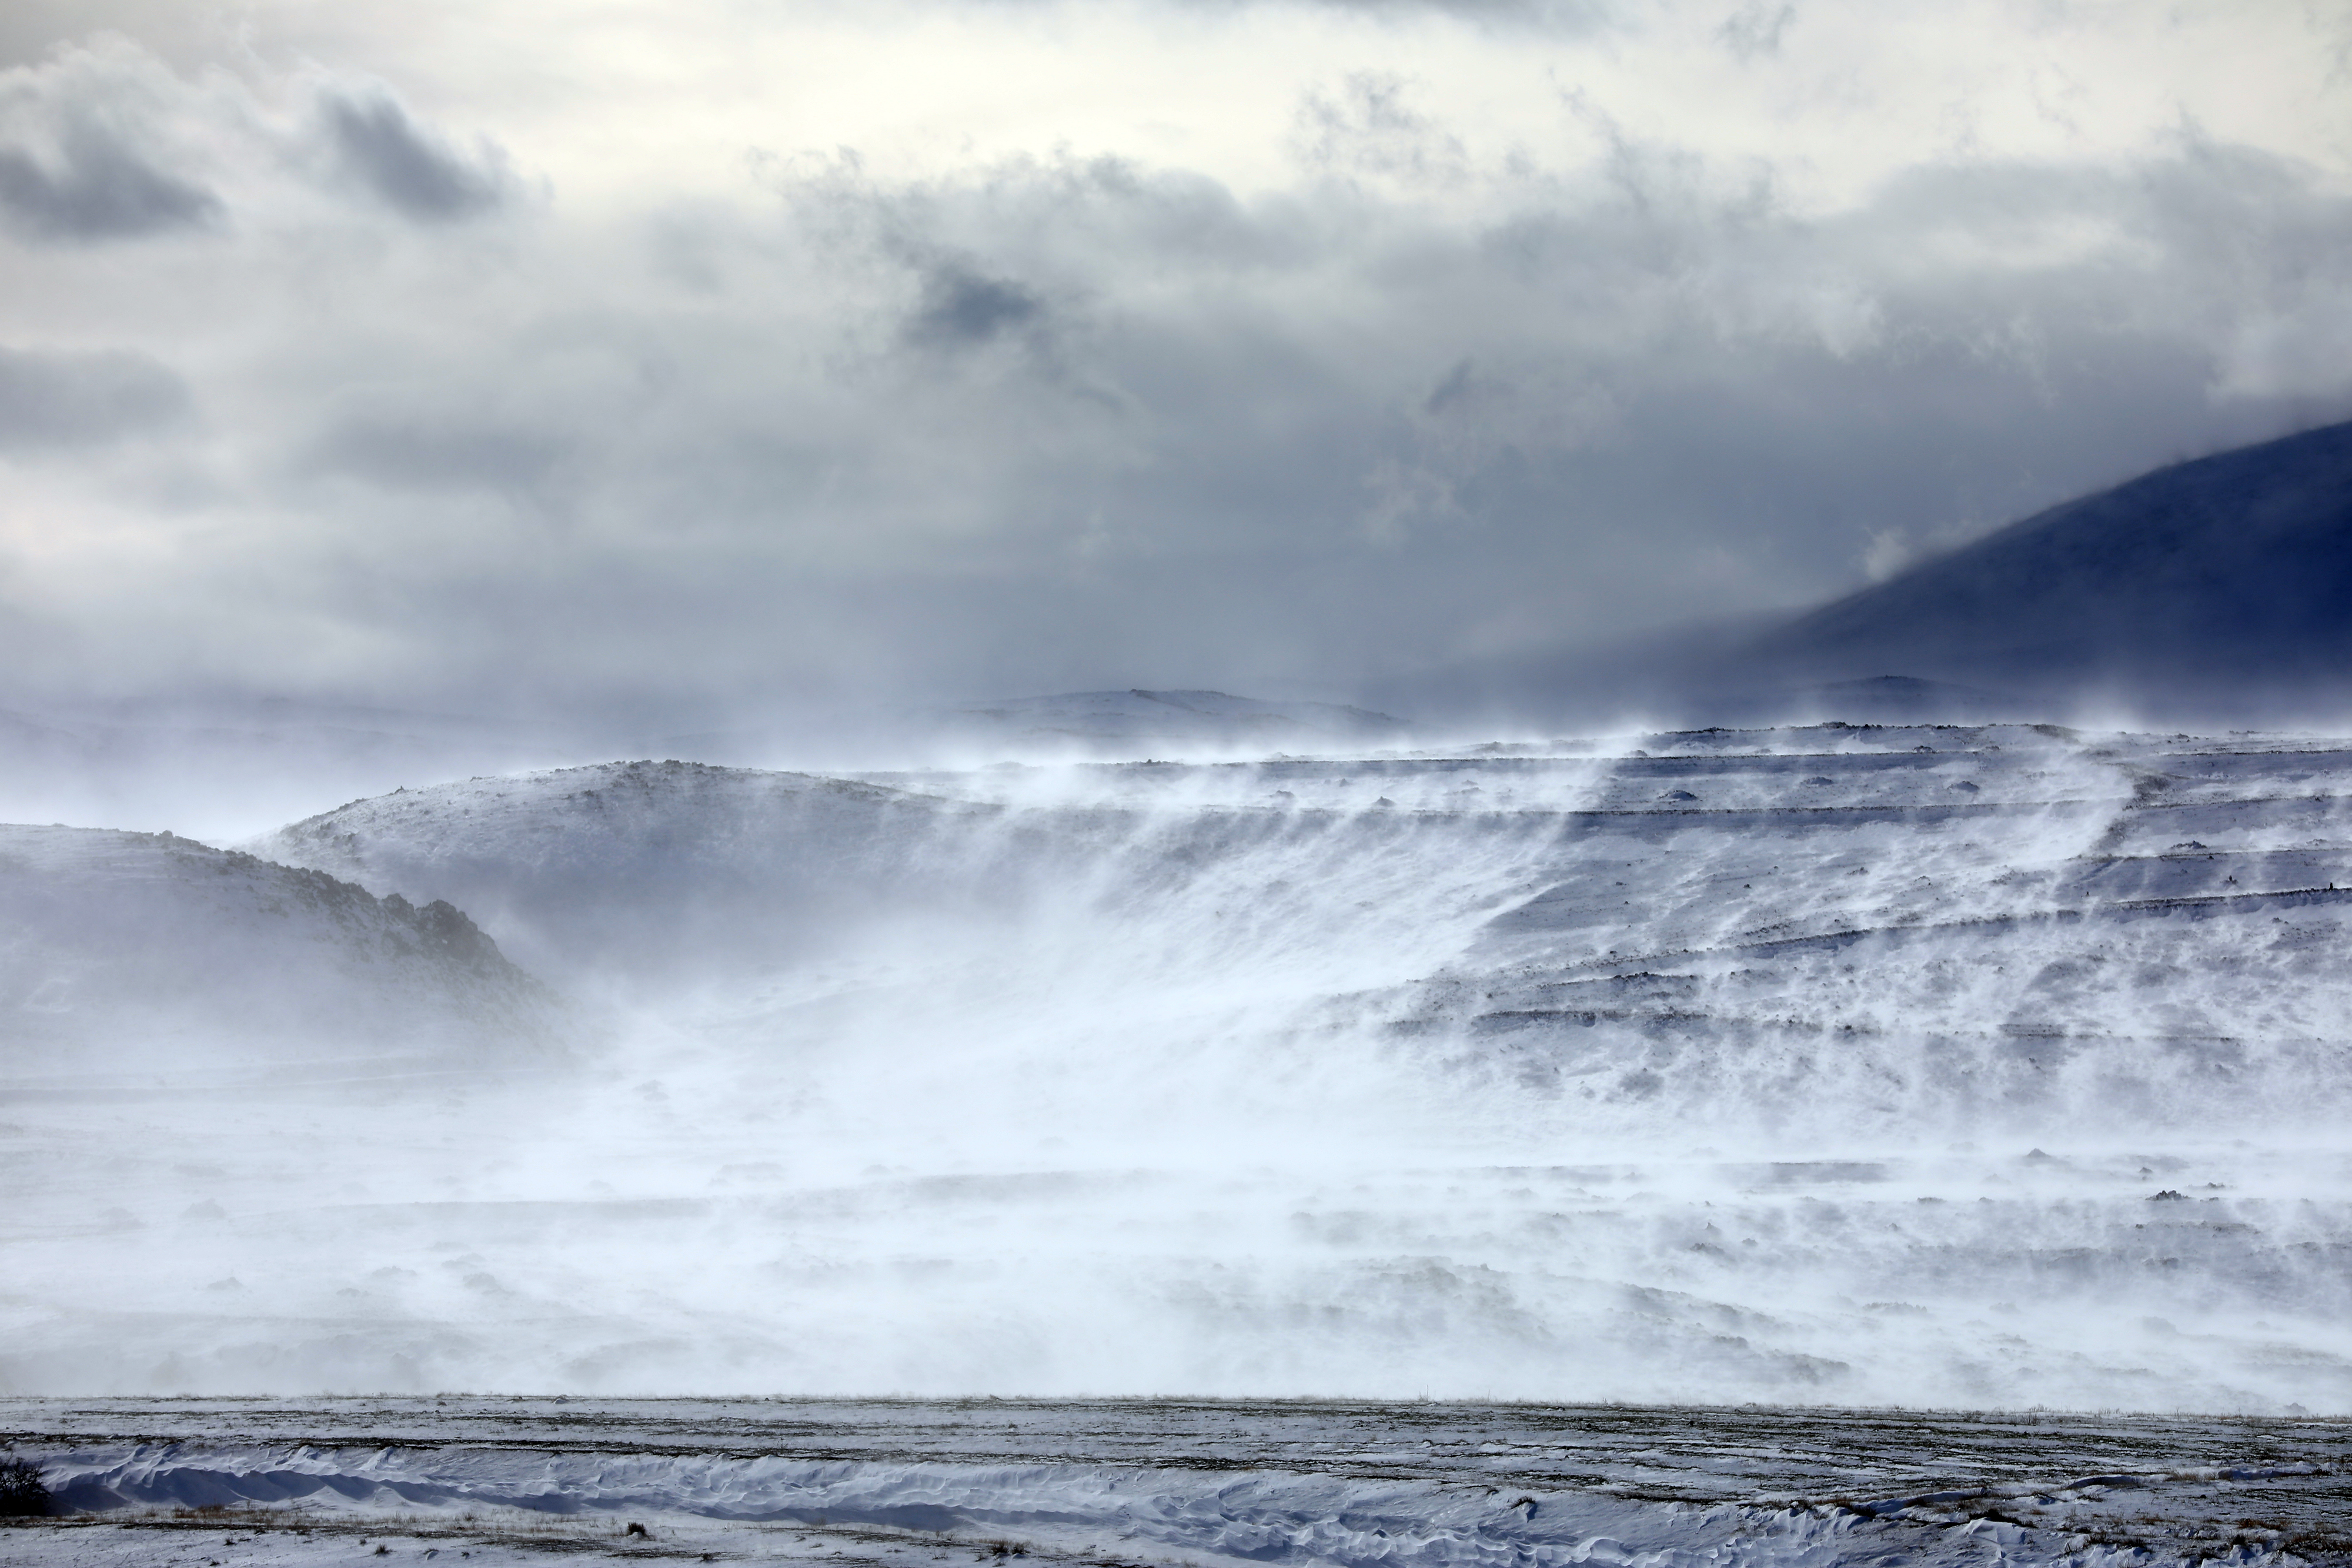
(2224, 582)
(122, 948)
(1138, 714)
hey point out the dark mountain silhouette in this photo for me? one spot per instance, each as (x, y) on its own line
(2215, 590)
(2217, 586)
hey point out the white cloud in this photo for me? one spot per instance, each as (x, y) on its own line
(1888, 552)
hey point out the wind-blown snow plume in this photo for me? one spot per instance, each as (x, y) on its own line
(1953, 1065)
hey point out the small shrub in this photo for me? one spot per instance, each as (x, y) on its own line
(23, 1494)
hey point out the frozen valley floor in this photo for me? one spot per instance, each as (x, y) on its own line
(507, 1480)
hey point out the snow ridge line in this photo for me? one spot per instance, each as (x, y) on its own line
(2196, 906)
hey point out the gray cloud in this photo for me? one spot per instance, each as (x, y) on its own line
(1650, 397)
(387, 154)
(1568, 16)
(86, 154)
(1061, 423)
(1326, 438)
(1754, 31)
(67, 401)
(1368, 128)
(439, 453)
(962, 307)
(94, 188)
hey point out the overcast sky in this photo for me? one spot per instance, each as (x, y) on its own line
(505, 353)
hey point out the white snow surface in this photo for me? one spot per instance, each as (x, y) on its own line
(1195, 1484)
(1965, 1067)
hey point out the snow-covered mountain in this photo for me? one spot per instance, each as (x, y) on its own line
(1471, 898)
(149, 955)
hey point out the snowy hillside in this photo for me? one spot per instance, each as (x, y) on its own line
(1993, 1066)
(670, 868)
(146, 954)
(1993, 885)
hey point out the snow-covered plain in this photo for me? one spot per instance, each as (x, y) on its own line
(1990, 1067)
(1176, 1482)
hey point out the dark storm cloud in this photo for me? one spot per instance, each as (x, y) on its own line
(962, 306)
(379, 148)
(1344, 433)
(1321, 436)
(68, 400)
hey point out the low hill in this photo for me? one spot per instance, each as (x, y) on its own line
(638, 868)
(128, 951)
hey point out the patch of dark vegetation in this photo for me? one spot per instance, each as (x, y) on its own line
(2315, 1543)
(515, 1530)
(23, 1493)
(218, 1515)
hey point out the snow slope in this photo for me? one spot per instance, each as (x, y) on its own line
(1990, 925)
(136, 952)
(669, 868)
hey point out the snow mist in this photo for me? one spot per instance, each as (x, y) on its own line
(1955, 1066)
